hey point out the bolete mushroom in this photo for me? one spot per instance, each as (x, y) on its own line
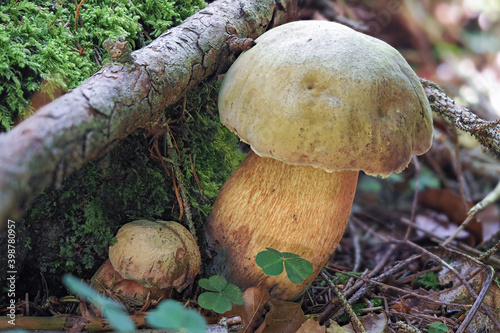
(107, 278)
(156, 254)
(317, 102)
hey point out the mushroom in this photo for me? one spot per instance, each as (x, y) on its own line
(107, 278)
(317, 102)
(156, 254)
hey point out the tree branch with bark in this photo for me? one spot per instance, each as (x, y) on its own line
(486, 132)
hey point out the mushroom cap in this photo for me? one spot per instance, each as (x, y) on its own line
(321, 94)
(156, 254)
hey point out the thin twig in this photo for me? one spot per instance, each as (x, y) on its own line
(457, 231)
(182, 188)
(11, 6)
(369, 230)
(404, 291)
(177, 194)
(354, 294)
(159, 156)
(77, 13)
(415, 197)
(192, 161)
(413, 277)
(459, 246)
(356, 323)
(485, 256)
(488, 200)
(454, 272)
(478, 302)
(458, 169)
(357, 248)
(360, 293)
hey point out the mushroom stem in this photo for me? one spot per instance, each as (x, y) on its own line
(267, 203)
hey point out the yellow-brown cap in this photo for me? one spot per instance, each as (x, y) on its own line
(321, 94)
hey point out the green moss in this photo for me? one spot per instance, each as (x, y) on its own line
(211, 152)
(427, 281)
(39, 41)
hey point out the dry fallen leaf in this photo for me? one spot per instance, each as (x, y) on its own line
(451, 204)
(311, 325)
(283, 316)
(255, 298)
(336, 328)
(489, 221)
(373, 323)
(475, 273)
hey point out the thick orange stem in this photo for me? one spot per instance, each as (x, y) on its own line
(267, 203)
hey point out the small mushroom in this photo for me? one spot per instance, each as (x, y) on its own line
(317, 102)
(156, 254)
(106, 278)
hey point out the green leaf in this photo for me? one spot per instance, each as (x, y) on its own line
(438, 327)
(234, 294)
(173, 316)
(284, 255)
(214, 301)
(213, 283)
(298, 269)
(278, 253)
(219, 300)
(113, 311)
(270, 262)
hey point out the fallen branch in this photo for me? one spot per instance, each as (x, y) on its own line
(63, 323)
(486, 132)
(85, 123)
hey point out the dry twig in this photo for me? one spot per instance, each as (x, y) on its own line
(415, 197)
(478, 302)
(486, 132)
(478, 299)
(182, 189)
(355, 320)
(404, 291)
(488, 200)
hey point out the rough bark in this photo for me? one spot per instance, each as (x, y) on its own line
(85, 123)
(486, 132)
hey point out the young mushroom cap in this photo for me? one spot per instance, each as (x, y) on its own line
(156, 254)
(310, 93)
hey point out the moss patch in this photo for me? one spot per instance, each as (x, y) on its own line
(41, 42)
